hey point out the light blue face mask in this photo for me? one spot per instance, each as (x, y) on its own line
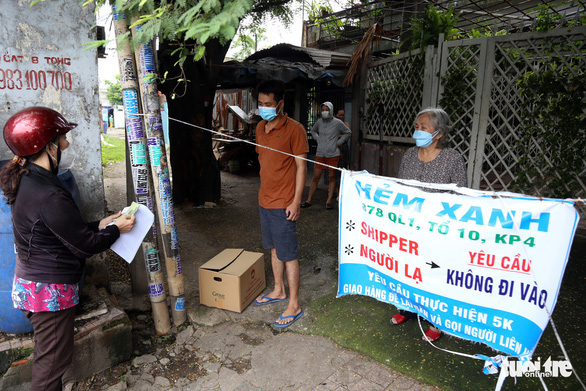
(267, 113)
(424, 139)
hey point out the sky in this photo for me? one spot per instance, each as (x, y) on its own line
(276, 33)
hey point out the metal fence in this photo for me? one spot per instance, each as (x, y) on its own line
(394, 93)
(477, 82)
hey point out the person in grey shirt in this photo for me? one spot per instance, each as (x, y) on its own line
(330, 133)
(431, 161)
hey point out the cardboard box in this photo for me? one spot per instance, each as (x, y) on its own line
(232, 279)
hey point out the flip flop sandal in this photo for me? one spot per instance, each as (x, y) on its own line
(269, 300)
(292, 320)
(399, 319)
(329, 206)
(432, 335)
(305, 204)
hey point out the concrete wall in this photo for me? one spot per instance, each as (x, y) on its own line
(43, 63)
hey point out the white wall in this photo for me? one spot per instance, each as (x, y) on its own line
(47, 40)
(108, 66)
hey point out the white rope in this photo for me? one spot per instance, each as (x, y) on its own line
(545, 307)
(555, 331)
(448, 187)
(442, 349)
(251, 143)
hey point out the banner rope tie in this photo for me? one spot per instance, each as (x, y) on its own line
(545, 306)
(414, 183)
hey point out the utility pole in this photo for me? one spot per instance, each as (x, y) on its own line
(142, 185)
(161, 178)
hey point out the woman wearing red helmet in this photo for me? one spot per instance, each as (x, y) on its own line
(52, 239)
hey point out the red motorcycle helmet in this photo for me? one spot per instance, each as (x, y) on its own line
(29, 130)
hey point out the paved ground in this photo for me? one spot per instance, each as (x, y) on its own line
(222, 350)
(243, 356)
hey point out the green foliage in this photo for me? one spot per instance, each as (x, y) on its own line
(427, 29)
(485, 32)
(320, 12)
(316, 9)
(114, 91)
(553, 129)
(377, 93)
(93, 44)
(281, 10)
(246, 46)
(458, 87)
(552, 134)
(252, 33)
(185, 20)
(249, 37)
(546, 19)
(190, 24)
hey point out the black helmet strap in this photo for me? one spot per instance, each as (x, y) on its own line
(54, 167)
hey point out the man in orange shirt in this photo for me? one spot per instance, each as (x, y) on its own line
(282, 180)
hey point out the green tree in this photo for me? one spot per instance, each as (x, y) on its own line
(428, 27)
(194, 36)
(114, 91)
(248, 39)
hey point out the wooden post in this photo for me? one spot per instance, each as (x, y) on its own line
(140, 174)
(161, 178)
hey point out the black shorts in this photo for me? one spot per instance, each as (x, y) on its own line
(279, 233)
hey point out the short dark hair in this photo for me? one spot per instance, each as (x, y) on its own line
(336, 111)
(275, 87)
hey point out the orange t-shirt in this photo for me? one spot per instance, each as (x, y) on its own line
(278, 171)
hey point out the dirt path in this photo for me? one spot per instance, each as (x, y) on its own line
(235, 223)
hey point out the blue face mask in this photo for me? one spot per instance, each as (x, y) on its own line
(424, 139)
(267, 113)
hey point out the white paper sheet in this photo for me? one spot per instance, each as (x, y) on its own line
(128, 243)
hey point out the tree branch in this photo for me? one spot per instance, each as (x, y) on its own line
(265, 7)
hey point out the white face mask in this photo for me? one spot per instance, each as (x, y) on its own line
(55, 159)
(67, 158)
(325, 114)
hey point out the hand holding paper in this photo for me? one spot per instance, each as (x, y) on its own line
(128, 243)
